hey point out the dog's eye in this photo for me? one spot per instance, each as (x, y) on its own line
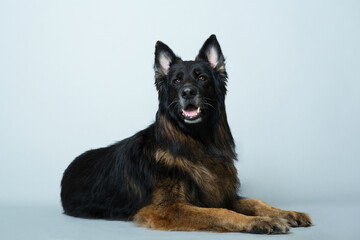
(176, 81)
(202, 78)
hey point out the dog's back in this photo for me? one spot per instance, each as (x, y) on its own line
(112, 182)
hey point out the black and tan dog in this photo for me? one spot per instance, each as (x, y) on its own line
(177, 174)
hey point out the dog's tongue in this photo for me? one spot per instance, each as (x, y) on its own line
(191, 113)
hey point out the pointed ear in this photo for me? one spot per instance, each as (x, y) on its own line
(211, 52)
(164, 57)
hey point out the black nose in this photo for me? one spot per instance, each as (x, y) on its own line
(188, 92)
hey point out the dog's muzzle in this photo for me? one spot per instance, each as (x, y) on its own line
(190, 103)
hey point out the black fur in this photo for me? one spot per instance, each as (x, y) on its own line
(116, 181)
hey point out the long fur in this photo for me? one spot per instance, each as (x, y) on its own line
(171, 167)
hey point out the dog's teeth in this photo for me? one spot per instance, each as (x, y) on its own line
(191, 114)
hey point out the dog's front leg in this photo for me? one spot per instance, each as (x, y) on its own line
(185, 217)
(254, 207)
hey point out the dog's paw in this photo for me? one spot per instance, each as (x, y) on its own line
(268, 225)
(296, 219)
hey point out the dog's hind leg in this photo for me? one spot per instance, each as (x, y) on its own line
(254, 207)
(184, 217)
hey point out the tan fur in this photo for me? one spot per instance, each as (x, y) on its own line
(168, 192)
(201, 175)
(220, 69)
(184, 217)
(216, 180)
(254, 207)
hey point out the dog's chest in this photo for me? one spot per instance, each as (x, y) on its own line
(213, 183)
(205, 181)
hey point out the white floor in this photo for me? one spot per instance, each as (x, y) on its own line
(331, 221)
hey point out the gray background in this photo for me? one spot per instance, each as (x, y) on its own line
(76, 75)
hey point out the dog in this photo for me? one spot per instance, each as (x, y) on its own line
(178, 173)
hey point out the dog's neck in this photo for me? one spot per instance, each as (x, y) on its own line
(215, 140)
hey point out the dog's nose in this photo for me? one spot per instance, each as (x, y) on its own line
(188, 92)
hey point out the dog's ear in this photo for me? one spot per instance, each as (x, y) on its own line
(211, 52)
(164, 57)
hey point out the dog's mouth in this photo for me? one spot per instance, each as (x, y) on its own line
(191, 114)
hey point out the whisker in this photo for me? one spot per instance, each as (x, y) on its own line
(206, 103)
(173, 102)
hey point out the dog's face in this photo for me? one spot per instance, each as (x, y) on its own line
(191, 92)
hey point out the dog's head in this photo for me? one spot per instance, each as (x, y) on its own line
(191, 93)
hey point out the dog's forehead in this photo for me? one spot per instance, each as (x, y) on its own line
(190, 66)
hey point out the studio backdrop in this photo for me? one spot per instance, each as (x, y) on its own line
(77, 75)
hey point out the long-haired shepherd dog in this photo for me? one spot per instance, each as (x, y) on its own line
(179, 173)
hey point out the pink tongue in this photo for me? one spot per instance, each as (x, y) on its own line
(191, 113)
